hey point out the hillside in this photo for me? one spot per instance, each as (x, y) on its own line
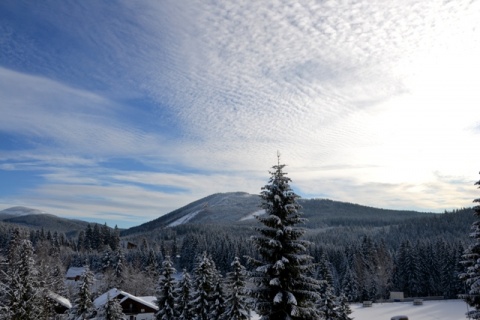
(18, 211)
(239, 208)
(37, 219)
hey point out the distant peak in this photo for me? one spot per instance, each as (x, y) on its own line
(21, 211)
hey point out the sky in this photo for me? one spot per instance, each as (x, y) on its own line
(122, 111)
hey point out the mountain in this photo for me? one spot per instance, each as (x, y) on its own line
(18, 211)
(239, 208)
(37, 219)
(217, 208)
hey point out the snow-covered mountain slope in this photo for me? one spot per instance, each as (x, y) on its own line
(184, 219)
(240, 208)
(218, 208)
(38, 219)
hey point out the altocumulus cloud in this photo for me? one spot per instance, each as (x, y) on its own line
(369, 101)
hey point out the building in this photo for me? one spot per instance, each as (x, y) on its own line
(135, 308)
(74, 273)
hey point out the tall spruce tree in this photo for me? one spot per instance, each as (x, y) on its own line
(472, 263)
(284, 286)
(166, 292)
(204, 282)
(343, 309)
(183, 294)
(218, 301)
(83, 306)
(327, 303)
(350, 285)
(20, 286)
(236, 303)
(112, 310)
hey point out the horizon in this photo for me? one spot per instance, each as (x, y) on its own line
(127, 111)
(113, 223)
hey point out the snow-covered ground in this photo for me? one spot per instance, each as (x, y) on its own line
(430, 310)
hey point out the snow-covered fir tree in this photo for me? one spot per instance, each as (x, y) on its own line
(20, 288)
(112, 310)
(343, 310)
(350, 285)
(328, 301)
(284, 288)
(184, 294)
(119, 267)
(328, 304)
(151, 265)
(166, 292)
(204, 282)
(236, 303)
(472, 263)
(324, 272)
(218, 301)
(83, 305)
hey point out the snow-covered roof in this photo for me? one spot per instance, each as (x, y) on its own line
(149, 299)
(61, 300)
(72, 272)
(113, 293)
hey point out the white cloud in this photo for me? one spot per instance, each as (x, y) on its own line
(53, 116)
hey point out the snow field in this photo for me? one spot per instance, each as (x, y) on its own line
(430, 310)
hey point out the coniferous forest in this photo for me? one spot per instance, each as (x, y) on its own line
(280, 266)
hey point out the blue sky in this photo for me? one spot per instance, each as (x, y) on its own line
(122, 111)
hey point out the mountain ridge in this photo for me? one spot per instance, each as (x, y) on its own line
(229, 208)
(241, 207)
(37, 219)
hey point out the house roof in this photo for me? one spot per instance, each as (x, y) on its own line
(150, 299)
(122, 295)
(59, 299)
(72, 272)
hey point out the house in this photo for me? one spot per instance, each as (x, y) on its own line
(73, 279)
(74, 273)
(135, 308)
(131, 245)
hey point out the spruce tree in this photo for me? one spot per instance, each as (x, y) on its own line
(205, 279)
(20, 286)
(166, 292)
(327, 303)
(218, 301)
(236, 303)
(119, 267)
(284, 288)
(113, 310)
(472, 263)
(184, 293)
(343, 310)
(350, 285)
(83, 305)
